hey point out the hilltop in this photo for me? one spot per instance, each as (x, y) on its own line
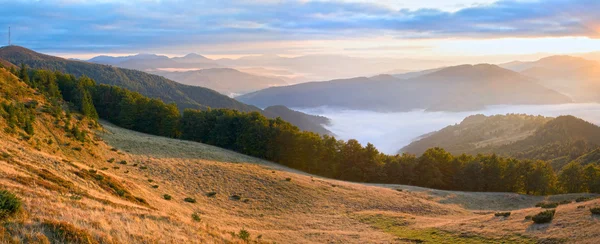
(457, 88)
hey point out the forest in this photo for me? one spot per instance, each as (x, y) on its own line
(279, 141)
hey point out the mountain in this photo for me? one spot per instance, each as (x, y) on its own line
(155, 86)
(478, 131)
(224, 80)
(305, 122)
(574, 76)
(457, 88)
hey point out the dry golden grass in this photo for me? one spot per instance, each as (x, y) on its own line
(87, 196)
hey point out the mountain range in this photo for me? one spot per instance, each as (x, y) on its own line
(155, 86)
(456, 88)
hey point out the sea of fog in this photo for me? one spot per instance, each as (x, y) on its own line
(391, 131)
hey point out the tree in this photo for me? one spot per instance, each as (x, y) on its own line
(24, 73)
(571, 178)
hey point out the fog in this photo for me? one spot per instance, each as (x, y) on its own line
(391, 131)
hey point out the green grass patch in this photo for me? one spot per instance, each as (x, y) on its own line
(400, 227)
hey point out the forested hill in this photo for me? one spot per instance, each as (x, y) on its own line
(478, 131)
(155, 86)
(559, 141)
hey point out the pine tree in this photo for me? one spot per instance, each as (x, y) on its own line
(24, 73)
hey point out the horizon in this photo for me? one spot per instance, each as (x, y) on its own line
(461, 31)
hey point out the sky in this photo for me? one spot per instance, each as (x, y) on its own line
(428, 29)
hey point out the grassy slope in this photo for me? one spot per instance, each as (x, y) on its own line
(304, 209)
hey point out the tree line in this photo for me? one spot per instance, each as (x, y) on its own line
(279, 141)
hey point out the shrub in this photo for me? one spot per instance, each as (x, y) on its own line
(196, 217)
(77, 149)
(595, 211)
(502, 214)
(400, 190)
(155, 186)
(10, 204)
(244, 235)
(150, 180)
(143, 167)
(235, 197)
(110, 160)
(123, 162)
(211, 194)
(564, 202)
(104, 168)
(543, 217)
(582, 199)
(580, 207)
(167, 197)
(547, 205)
(288, 179)
(190, 200)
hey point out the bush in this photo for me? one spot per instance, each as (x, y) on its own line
(235, 197)
(547, 205)
(123, 162)
(502, 214)
(196, 217)
(288, 179)
(155, 186)
(10, 204)
(582, 199)
(167, 197)
(110, 160)
(543, 217)
(244, 235)
(211, 194)
(595, 211)
(190, 200)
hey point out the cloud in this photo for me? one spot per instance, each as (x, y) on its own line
(116, 26)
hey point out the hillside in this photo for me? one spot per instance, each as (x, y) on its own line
(224, 80)
(457, 88)
(155, 86)
(558, 140)
(478, 131)
(574, 76)
(561, 140)
(120, 186)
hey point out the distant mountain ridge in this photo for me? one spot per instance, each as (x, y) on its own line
(227, 81)
(576, 77)
(185, 96)
(456, 88)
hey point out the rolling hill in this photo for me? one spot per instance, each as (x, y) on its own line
(559, 140)
(478, 131)
(457, 88)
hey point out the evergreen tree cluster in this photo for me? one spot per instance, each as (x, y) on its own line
(279, 141)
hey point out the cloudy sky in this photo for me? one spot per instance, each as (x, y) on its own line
(401, 28)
